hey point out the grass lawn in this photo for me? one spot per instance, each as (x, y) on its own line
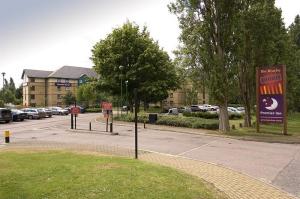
(271, 132)
(61, 174)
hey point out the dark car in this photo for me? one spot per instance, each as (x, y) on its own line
(18, 115)
(48, 112)
(5, 115)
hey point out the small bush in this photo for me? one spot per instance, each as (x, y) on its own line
(93, 110)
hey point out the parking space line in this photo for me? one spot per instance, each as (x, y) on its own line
(193, 149)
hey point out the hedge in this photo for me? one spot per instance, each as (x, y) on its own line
(93, 110)
(177, 121)
(208, 115)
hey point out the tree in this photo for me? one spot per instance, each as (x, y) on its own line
(86, 94)
(129, 54)
(69, 98)
(260, 33)
(293, 63)
(207, 30)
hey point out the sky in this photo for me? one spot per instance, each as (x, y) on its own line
(48, 34)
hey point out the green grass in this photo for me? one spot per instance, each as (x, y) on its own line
(68, 175)
(270, 132)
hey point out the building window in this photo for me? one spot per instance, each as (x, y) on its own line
(171, 95)
(32, 88)
(58, 80)
(32, 97)
(32, 79)
(67, 81)
(58, 88)
(58, 97)
(68, 88)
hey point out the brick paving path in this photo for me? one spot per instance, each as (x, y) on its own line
(235, 185)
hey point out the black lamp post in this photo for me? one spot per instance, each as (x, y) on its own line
(121, 102)
(126, 83)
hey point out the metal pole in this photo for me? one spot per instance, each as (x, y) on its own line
(135, 123)
(72, 125)
(90, 126)
(126, 82)
(121, 94)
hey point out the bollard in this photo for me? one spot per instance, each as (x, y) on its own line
(144, 124)
(6, 135)
(111, 127)
(233, 126)
(241, 125)
(90, 126)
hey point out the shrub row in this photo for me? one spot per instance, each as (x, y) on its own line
(208, 115)
(93, 110)
(177, 121)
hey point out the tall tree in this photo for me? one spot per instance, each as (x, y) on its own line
(261, 38)
(207, 29)
(293, 69)
(129, 54)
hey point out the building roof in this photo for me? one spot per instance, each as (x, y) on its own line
(72, 72)
(36, 73)
(67, 72)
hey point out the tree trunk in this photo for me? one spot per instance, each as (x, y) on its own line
(224, 119)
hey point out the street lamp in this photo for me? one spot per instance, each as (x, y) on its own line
(121, 67)
(126, 83)
(3, 74)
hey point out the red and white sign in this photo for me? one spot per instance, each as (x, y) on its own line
(106, 106)
(75, 110)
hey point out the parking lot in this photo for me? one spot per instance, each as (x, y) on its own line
(278, 164)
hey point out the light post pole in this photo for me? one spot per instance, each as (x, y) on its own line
(126, 83)
(3, 74)
(121, 102)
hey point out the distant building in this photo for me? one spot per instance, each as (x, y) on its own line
(46, 88)
(185, 96)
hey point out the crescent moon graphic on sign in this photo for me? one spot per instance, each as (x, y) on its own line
(273, 106)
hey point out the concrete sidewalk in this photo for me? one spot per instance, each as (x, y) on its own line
(232, 183)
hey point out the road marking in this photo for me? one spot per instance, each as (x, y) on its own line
(180, 154)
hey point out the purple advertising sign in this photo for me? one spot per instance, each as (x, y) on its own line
(271, 108)
(271, 95)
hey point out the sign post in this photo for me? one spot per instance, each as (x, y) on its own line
(271, 96)
(107, 109)
(135, 123)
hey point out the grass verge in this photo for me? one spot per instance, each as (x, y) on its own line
(270, 132)
(59, 174)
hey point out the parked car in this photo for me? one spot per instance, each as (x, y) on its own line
(59, 111)
(199, 108)
(172, 111)
(18, 115)
(241, 109)
(184, 110)
(48, 112)
(5, 115)
(82, 110)
(33, 113)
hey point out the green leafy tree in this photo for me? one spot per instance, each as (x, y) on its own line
(143, 64)
(261, 38)
(293, 63)
(207, 30)
(69, 98)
